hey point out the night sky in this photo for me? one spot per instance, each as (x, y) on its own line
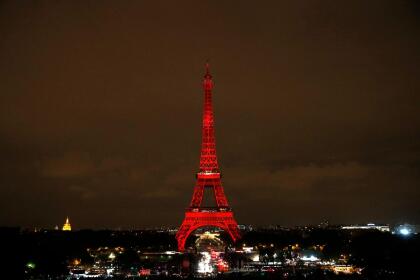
(317, 109)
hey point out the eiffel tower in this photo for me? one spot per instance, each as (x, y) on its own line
(221, 215)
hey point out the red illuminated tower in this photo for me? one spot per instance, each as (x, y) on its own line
(221, 215)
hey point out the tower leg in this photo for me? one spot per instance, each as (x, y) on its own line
(198, 194)
(219, 194)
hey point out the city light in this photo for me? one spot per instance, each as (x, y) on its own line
(204, 265)
(30, 265)
(405, 231)
(311, 258)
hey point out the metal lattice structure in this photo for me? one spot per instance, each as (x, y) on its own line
(221, 215)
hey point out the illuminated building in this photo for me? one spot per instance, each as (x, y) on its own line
(345, 269)
(384, 228)
(67, 226)
(208, 176)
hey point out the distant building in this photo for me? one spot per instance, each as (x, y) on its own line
(384, 228)
(324, 224)
(245, 227)
(67, 226)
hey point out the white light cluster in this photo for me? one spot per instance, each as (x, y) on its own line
(405, 231)
(204, 265)
(311, 258)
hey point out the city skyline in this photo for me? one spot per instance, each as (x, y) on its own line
(316, 111)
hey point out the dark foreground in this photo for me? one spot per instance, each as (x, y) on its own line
(310, 253)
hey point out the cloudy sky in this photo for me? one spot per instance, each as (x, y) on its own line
(316, 105)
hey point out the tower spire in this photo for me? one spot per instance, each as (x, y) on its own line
(207, 82)
(208, 158)
(207, 68)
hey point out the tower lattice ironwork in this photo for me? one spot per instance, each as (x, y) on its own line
(221, 215)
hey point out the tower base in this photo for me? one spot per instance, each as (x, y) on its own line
(197, 218)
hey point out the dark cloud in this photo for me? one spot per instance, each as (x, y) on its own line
(316, 109)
